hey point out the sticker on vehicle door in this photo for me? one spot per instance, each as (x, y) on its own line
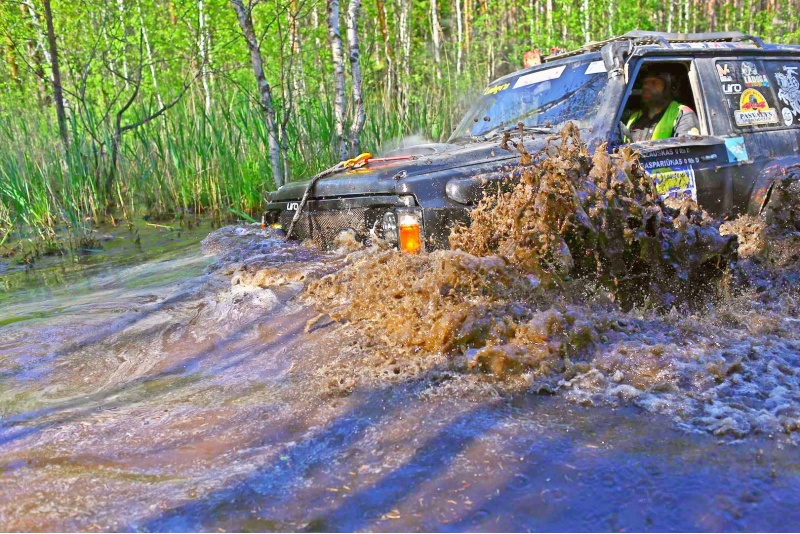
(789, 93)
(754, 110)
(737, 151)
(676, 181)
(752, 77)
(724, 72)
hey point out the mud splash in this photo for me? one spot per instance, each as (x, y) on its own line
(197, 394)
(580, 281)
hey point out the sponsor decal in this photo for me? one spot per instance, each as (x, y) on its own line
(595, 67)
(292, 206)
(753, 110)
(674, 162)
(724, 72)
(789, 93)
(737, 151)
(753, 78)
(496, 89)
(539, 76)
(731, 88)
(675, 181)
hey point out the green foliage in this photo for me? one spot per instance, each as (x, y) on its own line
(209, 153)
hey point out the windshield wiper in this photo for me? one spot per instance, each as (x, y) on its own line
(511, 129)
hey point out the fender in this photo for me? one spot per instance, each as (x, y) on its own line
(766, 179)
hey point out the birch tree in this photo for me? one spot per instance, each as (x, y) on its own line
(355, 71)
(435, 33)
(265, 92)
(335, 40)
(202, 45)
(148, 49)
(459, 37)
(58, 94)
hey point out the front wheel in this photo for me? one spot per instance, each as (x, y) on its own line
(782, 208)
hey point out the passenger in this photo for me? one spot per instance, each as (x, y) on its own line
(661, 116)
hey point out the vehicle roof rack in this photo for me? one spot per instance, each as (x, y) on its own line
(663, 39)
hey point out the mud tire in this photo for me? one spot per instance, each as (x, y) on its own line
(782, 207)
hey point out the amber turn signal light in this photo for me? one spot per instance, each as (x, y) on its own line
(410, 234)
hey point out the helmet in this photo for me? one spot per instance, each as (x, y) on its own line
(669, 73)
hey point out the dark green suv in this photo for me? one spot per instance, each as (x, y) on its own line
(745, 93)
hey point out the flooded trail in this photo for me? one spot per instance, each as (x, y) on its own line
(199, 393)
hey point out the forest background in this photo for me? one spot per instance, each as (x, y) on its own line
(116, 109)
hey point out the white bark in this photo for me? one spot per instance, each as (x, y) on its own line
(405, 45)
(435, 31)
(587, 37)
(335, 39)
(41, 40)
(149, 55)
(318, 47)
(670, 15)
(296, 72)
(264, 90)
(355, 70)
(686, 10)
(460, 36)
(202, 45)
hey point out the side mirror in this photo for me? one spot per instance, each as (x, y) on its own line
(613, 55)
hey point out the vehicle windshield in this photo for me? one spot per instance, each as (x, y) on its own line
(543, 99)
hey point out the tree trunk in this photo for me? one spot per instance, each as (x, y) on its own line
(459, 36)
(467, 30)
(121, 8)
(335, 39)
(296, 61)
(387, 49)
(11, 59)
(149, 56)
(611, 17)
(202, 45)
(58, 95)
(435, 32)
(359, 117)
(264, 90)
(671, 14)
(587, 36)
(405, 46)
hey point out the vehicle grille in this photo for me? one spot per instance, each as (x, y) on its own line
(323, 226)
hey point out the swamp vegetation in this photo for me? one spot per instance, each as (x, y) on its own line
(114, 111)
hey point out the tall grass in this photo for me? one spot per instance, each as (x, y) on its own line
(186, 162)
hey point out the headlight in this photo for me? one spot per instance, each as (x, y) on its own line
(410, 230)
(389, 226)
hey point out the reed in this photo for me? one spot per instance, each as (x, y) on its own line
(186, 163)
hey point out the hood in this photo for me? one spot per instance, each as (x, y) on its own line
(387, 177)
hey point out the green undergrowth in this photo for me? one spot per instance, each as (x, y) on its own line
(185, 163)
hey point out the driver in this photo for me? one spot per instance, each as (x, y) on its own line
(661, 116)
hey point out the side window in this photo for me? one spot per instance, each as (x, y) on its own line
(750, 95)
(786, 75)
(661, 104)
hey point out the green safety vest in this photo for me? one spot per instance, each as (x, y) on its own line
(666, 125)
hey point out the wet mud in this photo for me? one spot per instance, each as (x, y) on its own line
(510, 384)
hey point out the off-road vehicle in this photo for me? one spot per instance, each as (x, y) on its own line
(746, 94)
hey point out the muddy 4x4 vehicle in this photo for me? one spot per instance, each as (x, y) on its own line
(746, 95)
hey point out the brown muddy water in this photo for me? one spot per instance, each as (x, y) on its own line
(229, 387)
